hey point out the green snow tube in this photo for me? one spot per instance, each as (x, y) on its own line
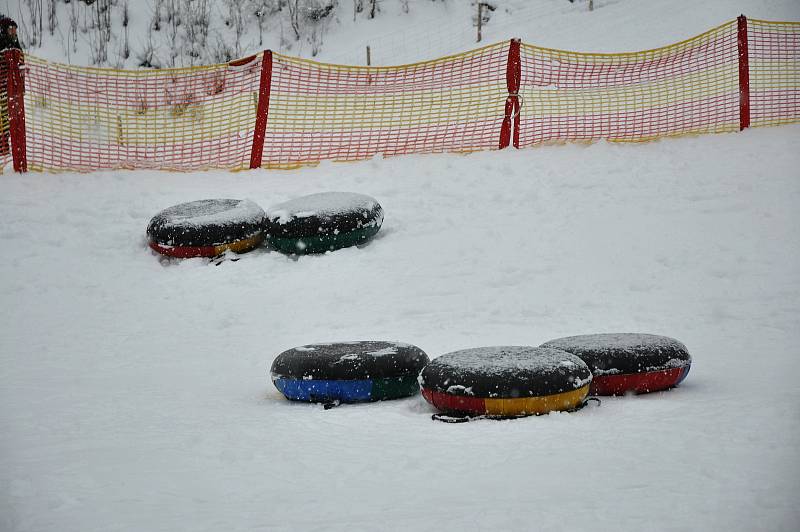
(322, 222)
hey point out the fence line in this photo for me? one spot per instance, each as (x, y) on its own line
(276, 111)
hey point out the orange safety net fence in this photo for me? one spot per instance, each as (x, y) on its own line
(344, 113)
(90, 118)
(689, 87)
(276, 111)
(774, 64)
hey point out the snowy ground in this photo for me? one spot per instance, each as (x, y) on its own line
(430, 29)
(135, 396)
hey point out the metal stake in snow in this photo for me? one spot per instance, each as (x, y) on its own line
(15, 93)
(481, 5)
(744, 73)
(512, 107)
(480, 16)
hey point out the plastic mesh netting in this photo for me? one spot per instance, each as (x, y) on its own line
(184, 119)
(319, 112)
(277, 111)
(689, 87)
(774, 58)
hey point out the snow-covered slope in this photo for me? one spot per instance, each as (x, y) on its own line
(135, 394)
(135, 391)
(430, 28)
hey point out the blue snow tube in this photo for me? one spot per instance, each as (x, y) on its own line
(348, 372)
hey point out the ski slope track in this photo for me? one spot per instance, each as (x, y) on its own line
(135, 391)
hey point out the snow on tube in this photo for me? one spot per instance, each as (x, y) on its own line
(627, 362)
(348, 372)
(206, 228)
(505, 381)
(323, 222)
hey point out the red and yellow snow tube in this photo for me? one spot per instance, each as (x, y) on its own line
(206, 228)
(505, 381)
(629, 363)
(187, 252)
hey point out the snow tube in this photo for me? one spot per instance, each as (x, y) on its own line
(348, 372)
(206, 228)
(626, 362)
(505, 381)
(323, 222)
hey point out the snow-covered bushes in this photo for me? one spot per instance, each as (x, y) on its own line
(174, 33)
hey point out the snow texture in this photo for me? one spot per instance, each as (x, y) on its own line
(349, 360)
(506, 371)
(632, 344)
(501, 360)
(211, 212)
(322, 205)
(369, 348)
(426, 30)
(134, 390)
(614, 353)
(135, 393)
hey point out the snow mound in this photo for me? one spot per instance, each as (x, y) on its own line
(211, 211)
(321, 205)
(506, 371)
(610, 353)
(349, 360)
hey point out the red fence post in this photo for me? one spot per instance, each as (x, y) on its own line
(15, 94)
(513, 76)
(744, 74)
(262, 110)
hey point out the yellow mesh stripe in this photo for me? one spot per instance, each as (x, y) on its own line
(198, 121)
